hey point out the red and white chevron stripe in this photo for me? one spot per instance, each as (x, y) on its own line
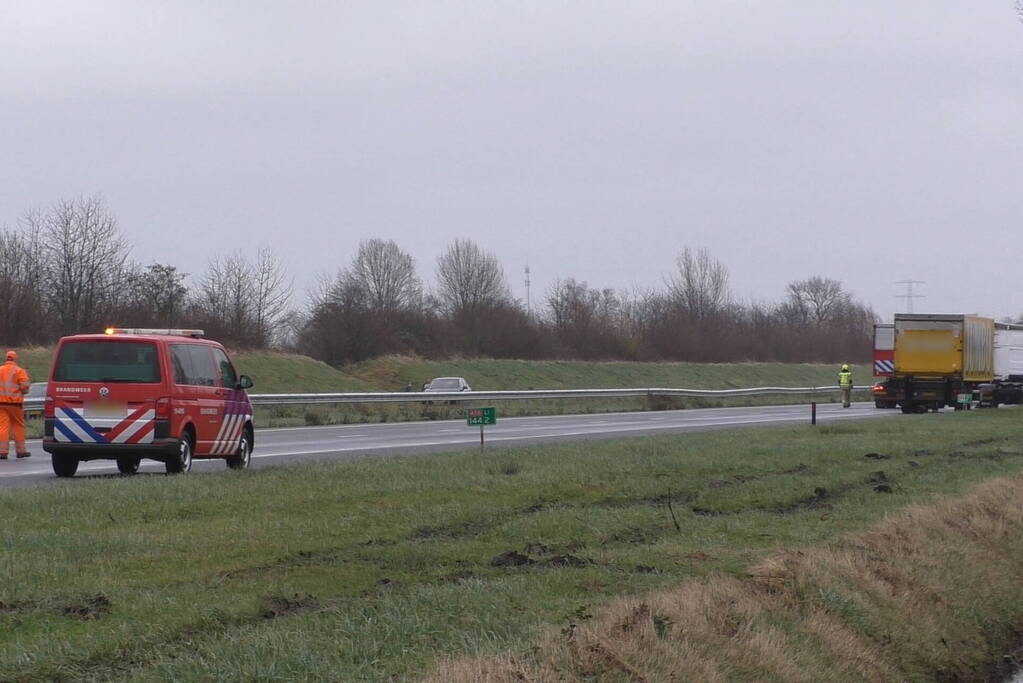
(230, 432)
(136, 428)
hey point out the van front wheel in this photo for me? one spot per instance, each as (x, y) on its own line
(243, 456)
(181, 461)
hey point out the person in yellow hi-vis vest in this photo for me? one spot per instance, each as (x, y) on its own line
(846, 385)
(13, 387)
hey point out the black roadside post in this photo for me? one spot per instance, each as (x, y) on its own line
(813, 412)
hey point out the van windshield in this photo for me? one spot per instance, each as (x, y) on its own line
(107, 361)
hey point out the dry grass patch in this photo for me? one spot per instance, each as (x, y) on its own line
(929, 594)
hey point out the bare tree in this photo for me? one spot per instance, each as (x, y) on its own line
(372, 307)
(85, 261)
(590, 323)
(700, 283)
(474, 296)
(469, 279)
(292, 325)
(156, 295)
(242, 301)
(560, 301)
(816, 299)
(22, 277)
(223, 300)
(388, 276)
(340, 326)
(271, 296)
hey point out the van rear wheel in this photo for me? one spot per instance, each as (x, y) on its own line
(181, 462)
(64, 465)
(128, 465)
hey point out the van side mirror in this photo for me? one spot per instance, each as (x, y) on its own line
(244, 382)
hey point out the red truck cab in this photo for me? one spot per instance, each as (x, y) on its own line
(884, 364)
(168, 395)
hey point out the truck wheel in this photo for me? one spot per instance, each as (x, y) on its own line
(64, 465)
(908, 408)
(181, 462)
(243, 456)
(128, 465)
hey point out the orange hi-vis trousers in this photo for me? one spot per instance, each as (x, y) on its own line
(12, 416)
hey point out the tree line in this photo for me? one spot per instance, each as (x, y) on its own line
(67, 269)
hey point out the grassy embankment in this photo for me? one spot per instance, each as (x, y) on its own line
(369, 569)
(394, 373)
(36, 361)
(276, 373)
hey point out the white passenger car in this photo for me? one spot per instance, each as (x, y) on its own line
(448, 385)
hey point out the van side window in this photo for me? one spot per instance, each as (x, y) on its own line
(228, 377)
(205, 373)
(193, 365)
(182, 362)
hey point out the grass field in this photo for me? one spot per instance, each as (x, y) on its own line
(374, 569)
(393, 372)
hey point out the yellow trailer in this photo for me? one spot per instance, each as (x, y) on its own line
(940, 357)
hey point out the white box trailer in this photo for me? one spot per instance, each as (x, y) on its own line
(1008, 352)
(1007, 386)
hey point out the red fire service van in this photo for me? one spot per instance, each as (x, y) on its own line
(128, 394)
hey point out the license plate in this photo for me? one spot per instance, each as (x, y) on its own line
(106, 409)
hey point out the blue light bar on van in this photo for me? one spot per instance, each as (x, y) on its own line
(155, 330)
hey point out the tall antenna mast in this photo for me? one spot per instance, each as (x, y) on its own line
(909, 295)
(529, 302)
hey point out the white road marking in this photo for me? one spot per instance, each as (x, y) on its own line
(406, 436)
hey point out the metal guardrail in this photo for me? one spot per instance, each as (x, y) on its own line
(36, 404)
(420, 396)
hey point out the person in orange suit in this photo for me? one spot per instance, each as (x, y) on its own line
(13, 387)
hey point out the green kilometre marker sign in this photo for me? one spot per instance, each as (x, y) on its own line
(481, 417)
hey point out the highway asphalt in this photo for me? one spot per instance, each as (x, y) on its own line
(285, 446)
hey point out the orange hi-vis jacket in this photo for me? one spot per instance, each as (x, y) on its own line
(13, 383)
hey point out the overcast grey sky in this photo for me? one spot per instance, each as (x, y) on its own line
(867, 141)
